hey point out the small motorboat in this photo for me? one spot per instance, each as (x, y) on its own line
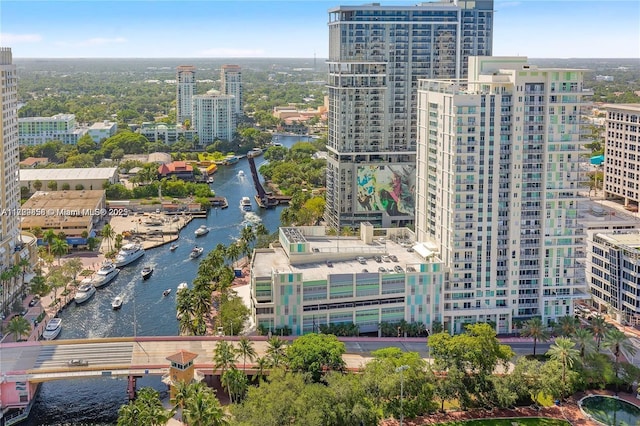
(166, 292)
(202, 230)
(210, 180)
(173, 246)
(241, 173)
(117, 303)
(196, 252)
(146, 272)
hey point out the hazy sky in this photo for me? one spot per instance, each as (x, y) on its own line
(261, 28)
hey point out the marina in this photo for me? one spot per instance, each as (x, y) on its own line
(77, 402)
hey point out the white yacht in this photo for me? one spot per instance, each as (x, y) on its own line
(53, 328)
(240, 173)
(117, 303)
(245, 204)
(105, 274)
(129, 253)
(84, 293)
(202, 230)
(196, 252)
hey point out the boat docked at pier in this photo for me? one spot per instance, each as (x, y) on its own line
(105, 274)
(129, 253)
(84, 293)
(52, 330)
(255, 152)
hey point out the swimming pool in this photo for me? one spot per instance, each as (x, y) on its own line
(611, 411)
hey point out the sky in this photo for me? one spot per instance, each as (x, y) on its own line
(290, 28)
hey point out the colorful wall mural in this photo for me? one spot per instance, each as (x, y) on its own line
(387, 188)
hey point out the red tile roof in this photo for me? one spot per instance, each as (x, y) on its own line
(174, 167)
(182, 357)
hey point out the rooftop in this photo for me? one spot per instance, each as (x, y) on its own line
(67, 174)
(61, 209)
(182, 357)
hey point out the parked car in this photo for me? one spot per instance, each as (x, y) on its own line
(329, 264)
(382, 269)
(393, 257)
(34, 301)
(377, 259)
(77, 363)
(398, 269)
(362, 260)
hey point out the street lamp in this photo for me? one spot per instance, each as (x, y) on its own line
(401, 371)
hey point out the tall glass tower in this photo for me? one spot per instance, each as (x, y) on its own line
(376, 56)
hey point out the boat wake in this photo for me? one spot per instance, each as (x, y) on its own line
(251, 219)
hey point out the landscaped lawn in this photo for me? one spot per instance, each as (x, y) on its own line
(525, 421)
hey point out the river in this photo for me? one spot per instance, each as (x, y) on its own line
(145, 311)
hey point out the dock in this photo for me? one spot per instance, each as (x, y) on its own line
(218, 202)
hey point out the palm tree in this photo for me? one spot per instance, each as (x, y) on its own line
(59, 248)
(246, 350)
(182, 392)
(203, 408)
(583, 337)
(567, 326)
(564, 352)
(19, 326)
(262, 364)
(23, 264)
(48, 237)
(235, 382)
(5, 278)
(108, 233)
(617, 342)
(276, 351)
(534, 329)
(598, 327)
(233, 252)
(247, 235)
(147, 409)
(224, 356)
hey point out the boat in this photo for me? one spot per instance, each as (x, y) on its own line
(84, 293)
(210, 180)
(241, 173)
(117, 303)
(173, 247)
(196, 252)
(231, 160)
(105, 274)
(182, 286)
(255, 152)
(166, 292)
(146, 272)
(245, 204)
(129, 253)
(52, 330)
(202, 230)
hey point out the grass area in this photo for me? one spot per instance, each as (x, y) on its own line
(525, 421)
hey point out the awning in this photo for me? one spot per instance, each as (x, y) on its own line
(422, 250)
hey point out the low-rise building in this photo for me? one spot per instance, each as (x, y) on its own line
(102, 130)
(39, 130)
(33, 162)
(166, 133)
(89, 178)
(310, 279)
(71, 212)
(179, 169)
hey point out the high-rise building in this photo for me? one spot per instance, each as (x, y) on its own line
(231, 77)
(622, 154)
(9, 189)
(497, 187)
(186, 88)
(214, 117)
(376, 56)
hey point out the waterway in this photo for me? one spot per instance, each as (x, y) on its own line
(145, 311)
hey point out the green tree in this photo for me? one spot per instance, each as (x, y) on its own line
(316, 354)
(48, 237)
(563, 351)
(534, 329)
(236, 383)
(146, 409)
(52, 185)
(583, 337)
(202, 408)
(224, 356)
(618, 342)
(276, 351)
(233, 313)
(598, 327)
(246, 351)
(567, 326)
(19, 326)
(59, 248)
(108, 233)
(73, 267)
(37, 184)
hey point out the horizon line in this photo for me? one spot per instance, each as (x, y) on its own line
(288, 57)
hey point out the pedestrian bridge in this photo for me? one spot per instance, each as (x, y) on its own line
(24, 365)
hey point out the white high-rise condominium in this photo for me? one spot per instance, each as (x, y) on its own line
(231, 77)
(214, 117)
(376, 56)
(185, 89)
(9, 190)
(622, 154)
(497, 181)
